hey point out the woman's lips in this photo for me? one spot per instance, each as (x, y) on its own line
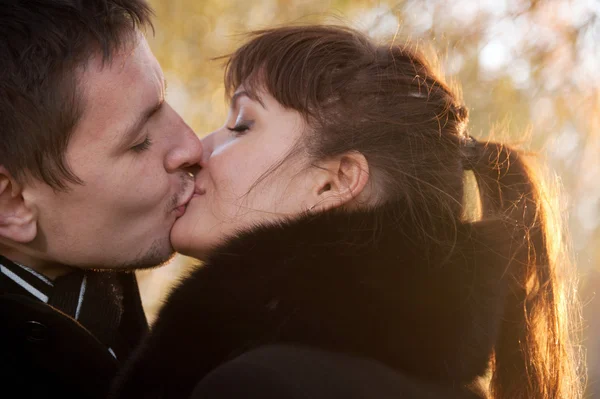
(198, 192)
(180, 210)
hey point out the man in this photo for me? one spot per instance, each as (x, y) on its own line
(94, 170)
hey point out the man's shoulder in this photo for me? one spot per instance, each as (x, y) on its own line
(34, 326)
(39, 343)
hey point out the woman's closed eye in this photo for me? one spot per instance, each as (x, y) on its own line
(241, 127)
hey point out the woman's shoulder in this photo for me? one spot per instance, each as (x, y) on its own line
(300, 372)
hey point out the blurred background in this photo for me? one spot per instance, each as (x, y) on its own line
(531, 67)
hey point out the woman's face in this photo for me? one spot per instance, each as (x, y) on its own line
(234, 189)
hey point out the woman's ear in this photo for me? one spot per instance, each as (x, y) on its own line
(17, 218)
(340, 180)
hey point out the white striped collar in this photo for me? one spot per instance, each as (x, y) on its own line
(38, 275)
(36, 284)
(24, 284)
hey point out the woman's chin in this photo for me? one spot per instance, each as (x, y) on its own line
(191, 242)
(188, 248)
(184, 240)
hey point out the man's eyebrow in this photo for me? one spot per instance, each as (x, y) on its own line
(131, 131)
(244, 93)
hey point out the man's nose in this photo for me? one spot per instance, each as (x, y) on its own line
(187, 154)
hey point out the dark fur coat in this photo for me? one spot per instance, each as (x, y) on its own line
(368, 284)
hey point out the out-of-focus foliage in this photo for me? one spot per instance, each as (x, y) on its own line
(530, 66)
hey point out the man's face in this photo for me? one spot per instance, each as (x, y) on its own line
(131, 150)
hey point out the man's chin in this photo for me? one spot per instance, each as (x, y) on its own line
(158, 255)
(151, 263)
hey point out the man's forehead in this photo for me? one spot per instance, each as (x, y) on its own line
(114, 92)
(134, 64)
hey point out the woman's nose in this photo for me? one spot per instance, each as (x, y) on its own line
(209, 144)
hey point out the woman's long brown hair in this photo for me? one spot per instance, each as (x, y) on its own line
(535, 356)
(387, 102)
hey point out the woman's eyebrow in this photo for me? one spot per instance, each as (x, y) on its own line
(244, 93)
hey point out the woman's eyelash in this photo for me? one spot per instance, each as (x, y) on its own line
(143, 146)
(240, 127)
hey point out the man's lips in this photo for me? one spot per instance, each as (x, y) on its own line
(180, 209)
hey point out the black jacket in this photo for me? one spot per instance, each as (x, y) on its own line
(44, 353)
(330, 304)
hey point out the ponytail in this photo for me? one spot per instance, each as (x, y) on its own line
(533, 358)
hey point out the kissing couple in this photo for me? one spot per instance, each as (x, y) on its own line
(328, 212)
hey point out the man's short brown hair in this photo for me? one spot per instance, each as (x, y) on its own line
(42, 44)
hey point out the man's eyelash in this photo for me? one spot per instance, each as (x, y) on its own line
(143, 146)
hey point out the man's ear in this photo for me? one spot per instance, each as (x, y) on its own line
(340, 180)
(17, 218)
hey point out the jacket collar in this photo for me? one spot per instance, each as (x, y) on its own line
(366, 283)
(95, 299)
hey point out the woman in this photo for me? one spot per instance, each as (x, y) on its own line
(338, 262)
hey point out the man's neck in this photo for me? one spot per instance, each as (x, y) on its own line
(48, 269)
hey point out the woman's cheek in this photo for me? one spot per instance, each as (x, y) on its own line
(231, 178)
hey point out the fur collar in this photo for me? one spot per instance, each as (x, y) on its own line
(362, 283)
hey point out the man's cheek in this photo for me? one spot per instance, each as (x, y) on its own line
(143, 196)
